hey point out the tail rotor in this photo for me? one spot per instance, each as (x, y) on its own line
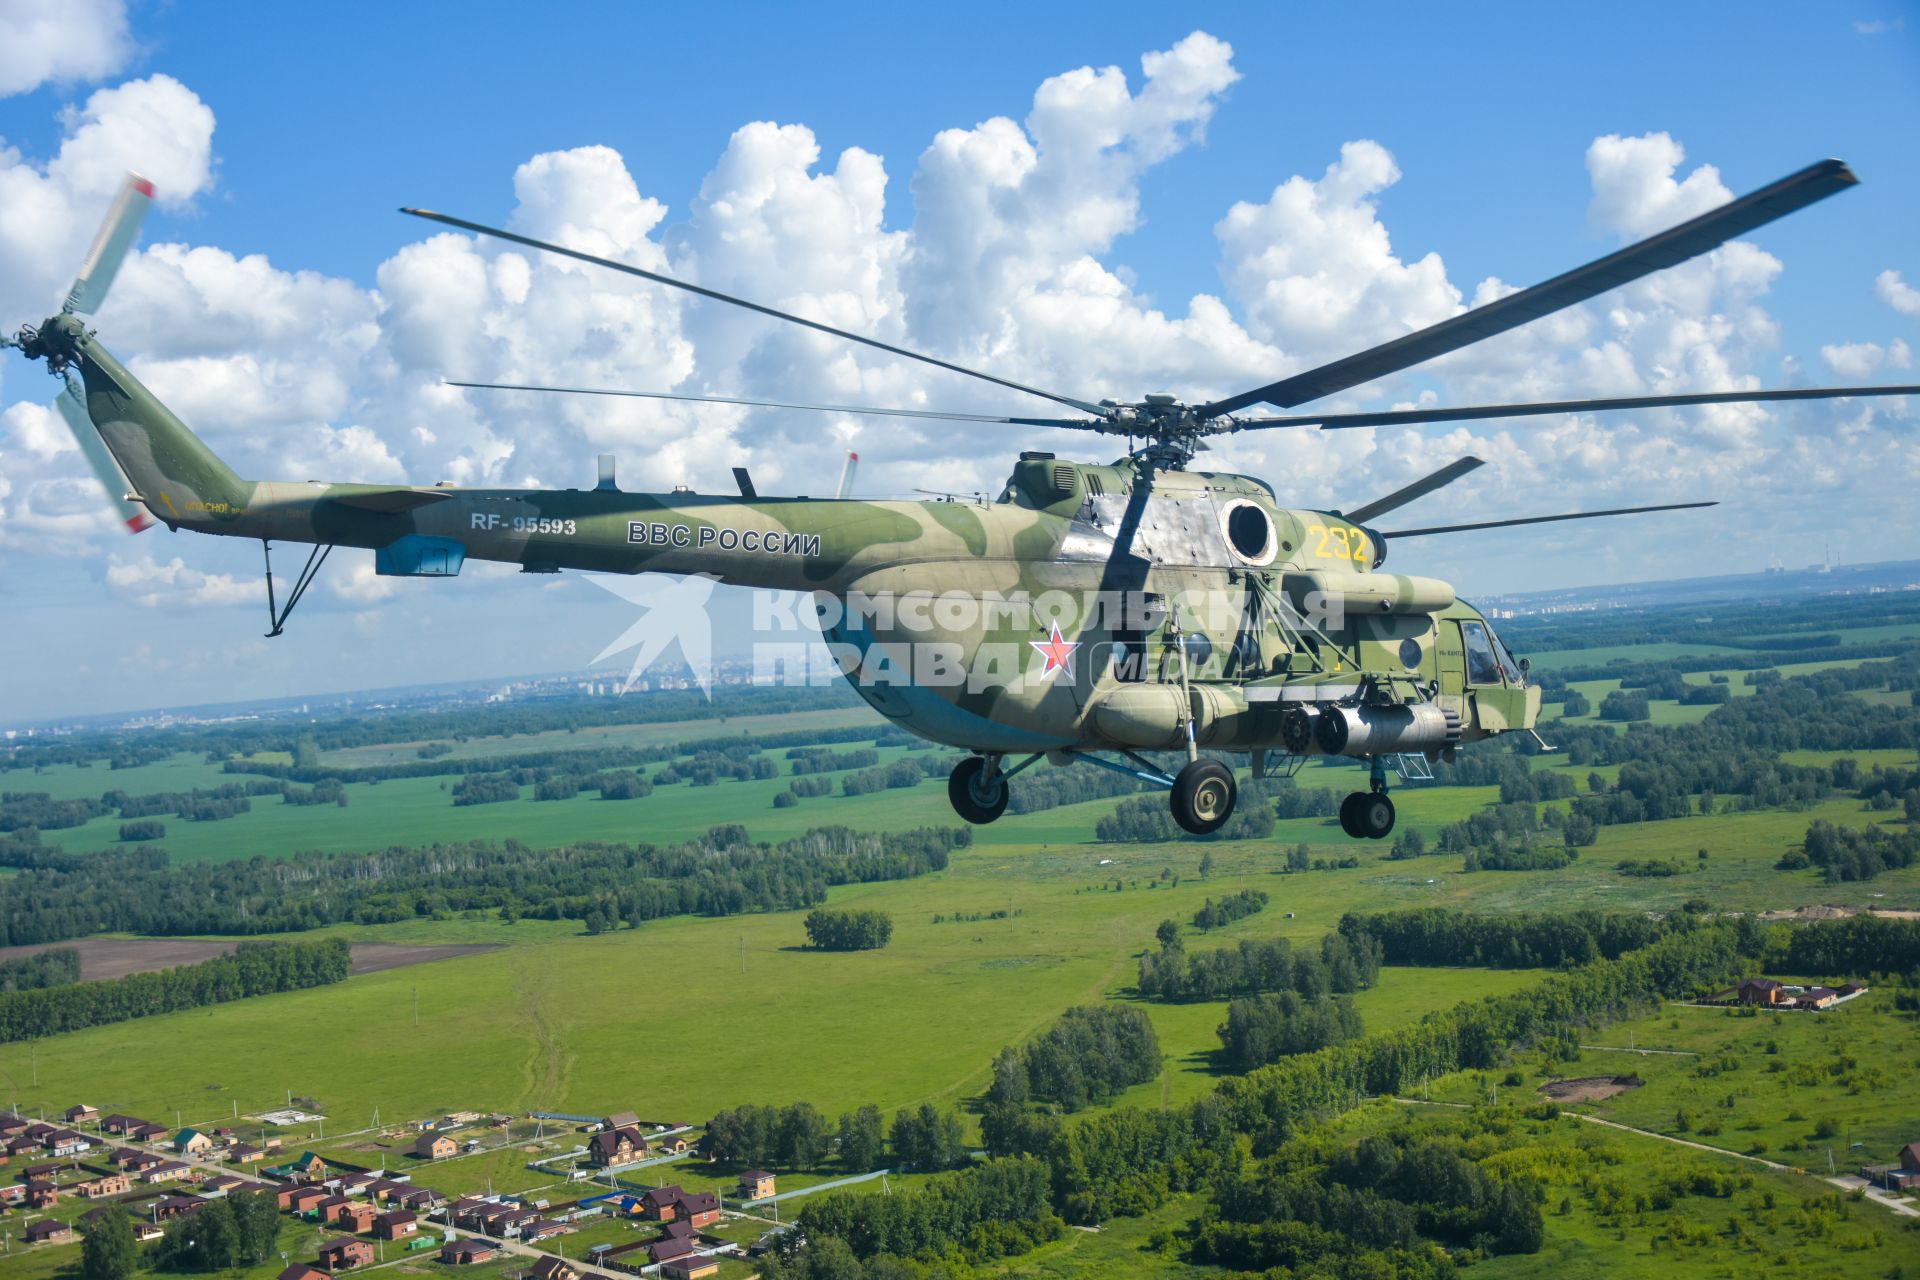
(89, 290)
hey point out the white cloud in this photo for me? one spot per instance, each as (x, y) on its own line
(1313, 267)
(155, 127)
(1864, 359)
(1003, 261)
(1897, 293)
(1879, 26)
(72, 40)
(38, 429)
(1634, 188)
(174, 585)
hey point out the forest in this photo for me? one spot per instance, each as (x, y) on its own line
(54, 967)
(255, 968)
(725, 873)
(1374, 1209)
(1126, 1160)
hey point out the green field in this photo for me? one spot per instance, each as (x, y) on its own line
(664, 1020)
(1764, 1084)
(686, 1016)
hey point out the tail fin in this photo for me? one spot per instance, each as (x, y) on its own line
(174, 474)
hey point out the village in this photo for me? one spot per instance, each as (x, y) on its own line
(72, 1171)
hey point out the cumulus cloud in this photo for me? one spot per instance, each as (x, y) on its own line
(1897, 293)
(174, 585)
(1864, 359)
(1000, 255)
(73, 40)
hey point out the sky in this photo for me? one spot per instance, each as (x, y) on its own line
(1104, 200)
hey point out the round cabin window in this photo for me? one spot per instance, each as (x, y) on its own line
(1249, 533)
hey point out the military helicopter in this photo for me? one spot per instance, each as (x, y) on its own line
(1091, 612)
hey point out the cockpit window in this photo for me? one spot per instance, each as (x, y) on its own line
(1482, 666)
(1508, 667)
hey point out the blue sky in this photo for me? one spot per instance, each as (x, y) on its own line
(325, 120)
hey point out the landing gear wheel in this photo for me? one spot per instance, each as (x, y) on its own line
(1203, 796)
(1348, 823)
(976, 797)
(1373, 815)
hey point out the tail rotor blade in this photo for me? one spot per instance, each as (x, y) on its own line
(74, 409)
(110, 247)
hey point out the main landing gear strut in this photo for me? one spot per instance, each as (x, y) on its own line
(1368, 815)
(278, 614)
(1202, 794)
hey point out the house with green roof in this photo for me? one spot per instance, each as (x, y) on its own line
(307, 1168)
(191, 1142)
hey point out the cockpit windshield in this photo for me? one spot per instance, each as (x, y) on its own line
(1488, 661)
(1508, 667)
(1482, 666)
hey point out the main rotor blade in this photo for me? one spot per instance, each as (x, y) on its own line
(110, 247)
(716, 295)
(1081, 423)
(1669, 248)
(1576, 515)
(1468, 413)
(1418, 489)
(74, 409)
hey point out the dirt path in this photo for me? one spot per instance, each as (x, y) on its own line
(549, 1062)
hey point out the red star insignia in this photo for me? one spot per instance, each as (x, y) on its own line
(1057, 652)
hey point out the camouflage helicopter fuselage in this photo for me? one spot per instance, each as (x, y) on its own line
(1192, 607)
(1125, 608)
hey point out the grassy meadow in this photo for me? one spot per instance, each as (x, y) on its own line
(686, 1016)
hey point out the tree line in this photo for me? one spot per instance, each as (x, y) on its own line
(994, 1209)
(1376, 1209)
(1234, 906)
(255, 968)
(1264, 1028)
(1147, 820)
(54, 967)
(1342, 964)
(800, 1138)
(1848, 853)
(1434, 937)
(725, 873)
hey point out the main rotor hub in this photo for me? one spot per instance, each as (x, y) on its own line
(1173, 430)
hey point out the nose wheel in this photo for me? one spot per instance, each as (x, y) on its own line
(978, 789)
(1203, 796)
